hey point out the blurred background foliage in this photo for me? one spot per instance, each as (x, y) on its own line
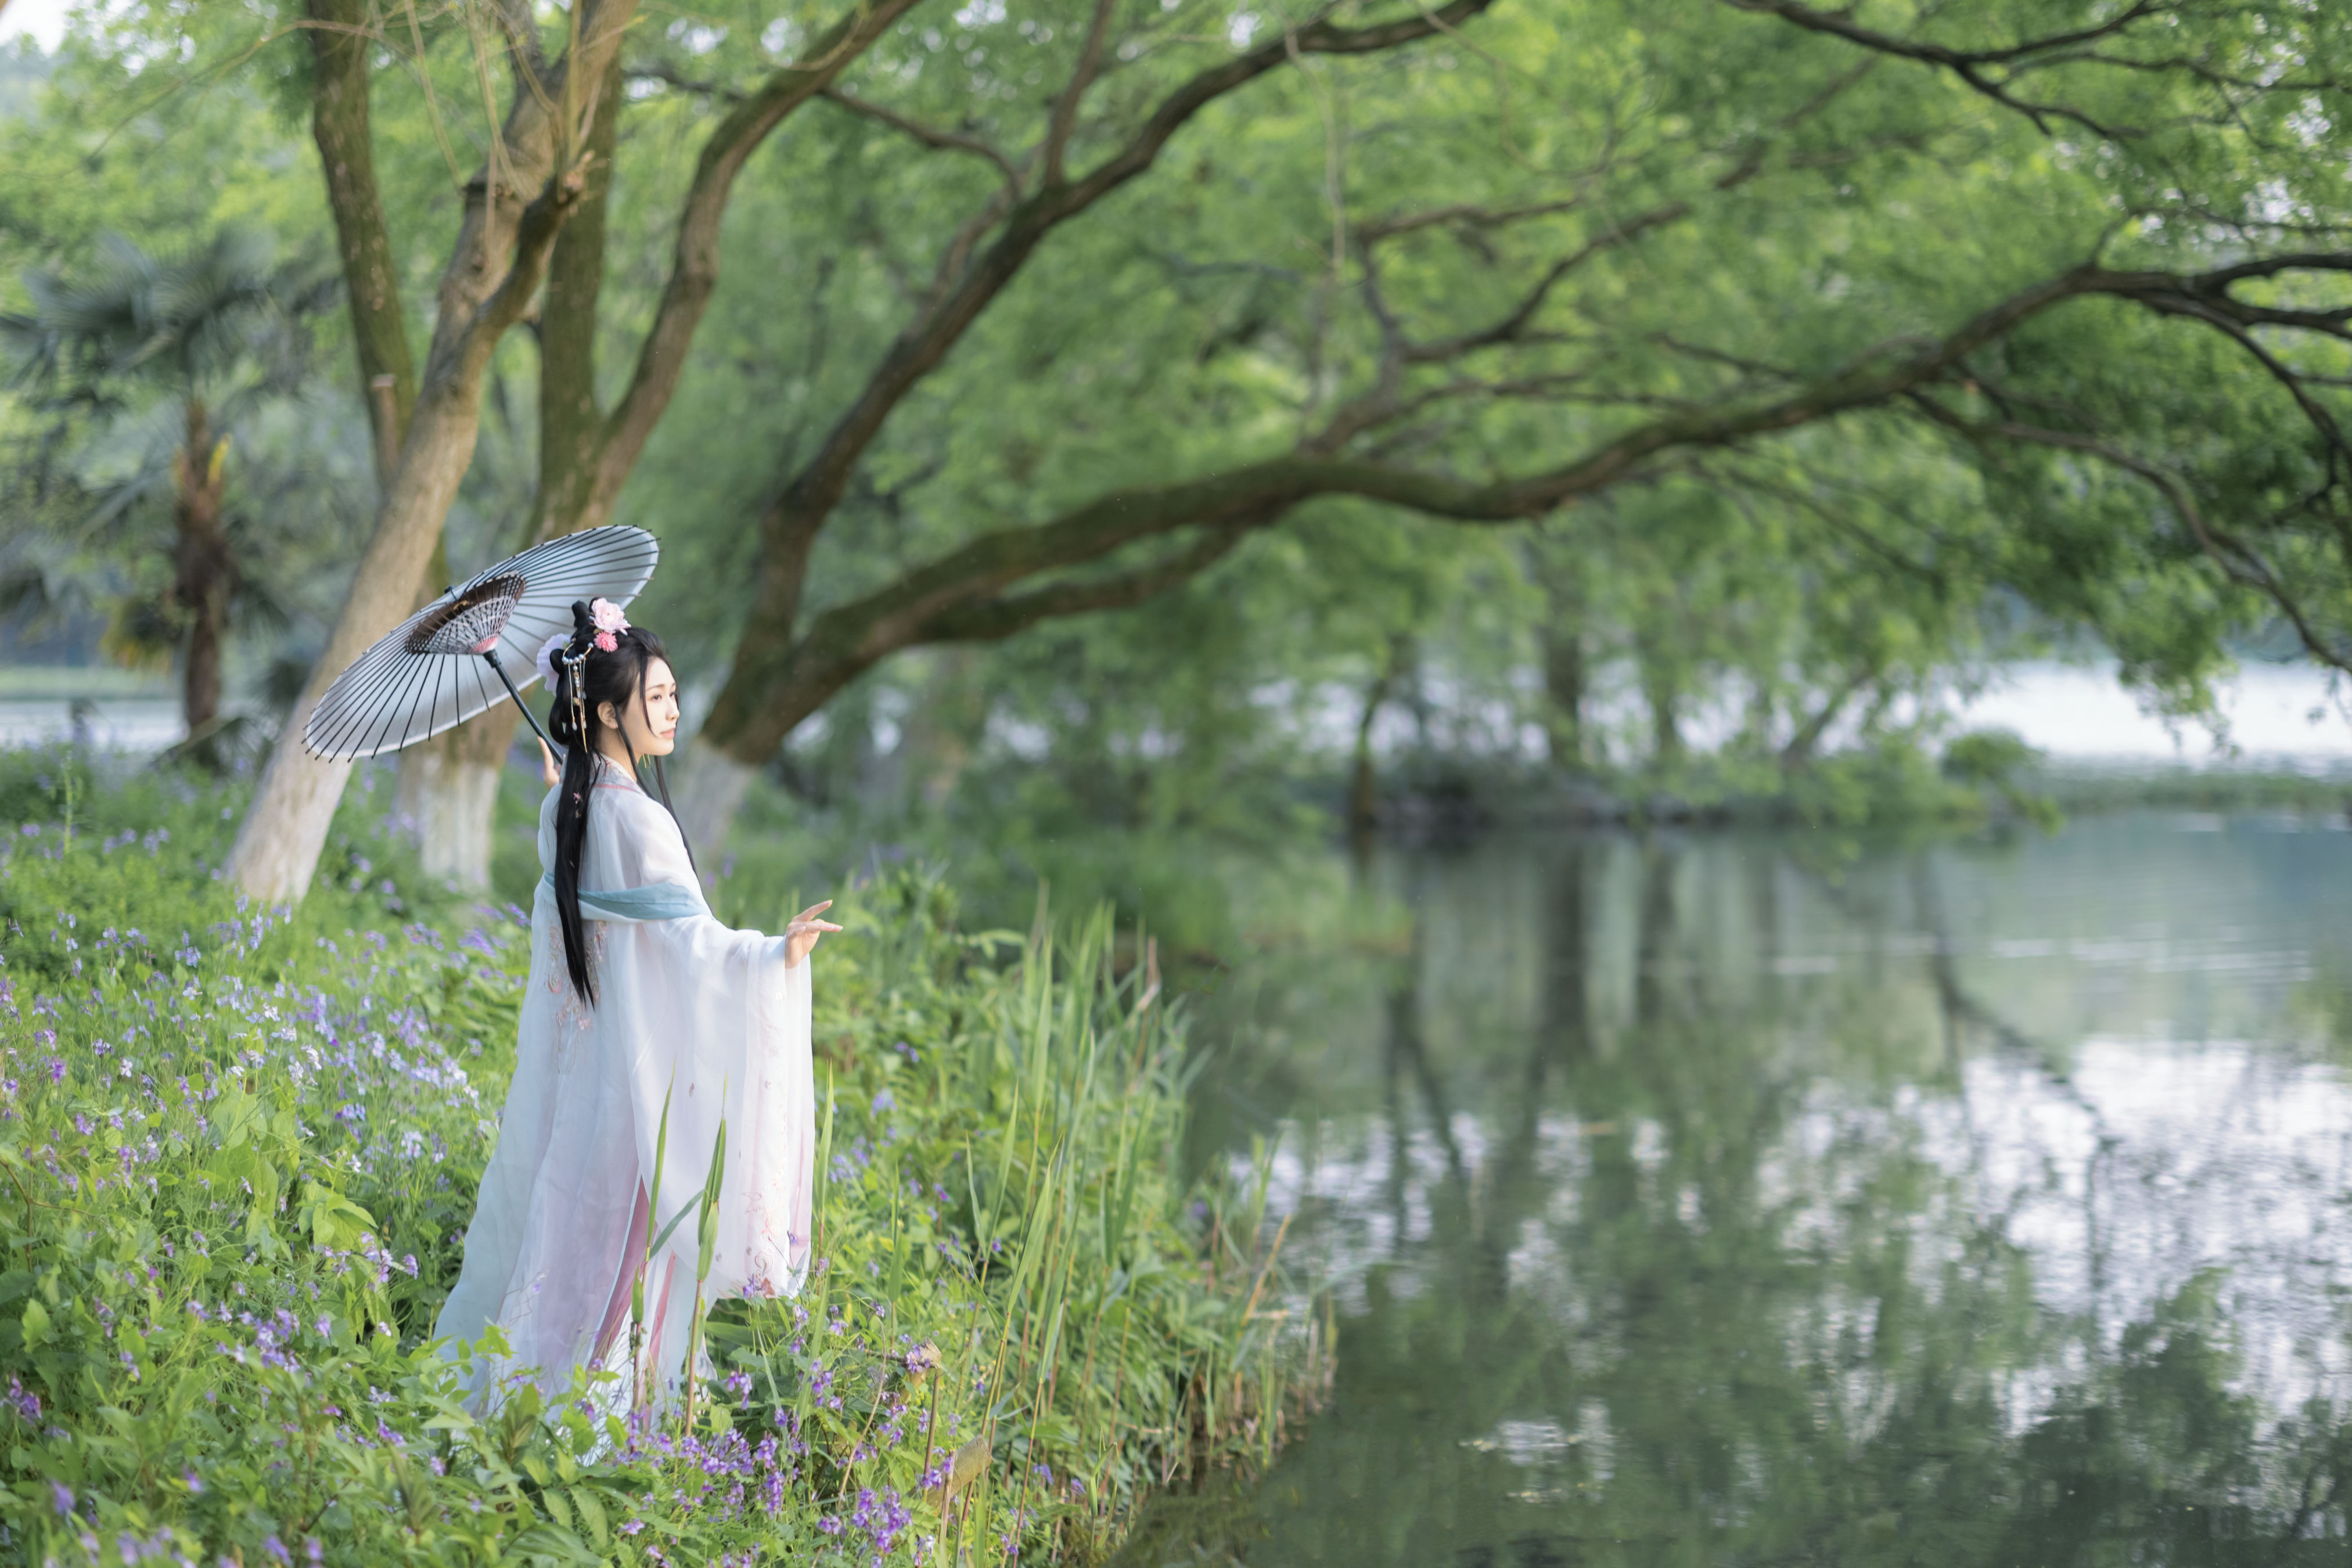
(1671, 210)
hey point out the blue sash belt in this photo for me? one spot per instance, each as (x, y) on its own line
(658, 901)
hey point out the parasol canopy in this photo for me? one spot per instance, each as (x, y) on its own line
(449, 661)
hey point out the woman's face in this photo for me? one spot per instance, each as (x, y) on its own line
(651, 721)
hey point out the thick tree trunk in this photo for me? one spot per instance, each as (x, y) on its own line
(496, 267)
(285, 829)
(436, 775)
(450, 798)
(339, 124)
(449, 785)
(200, 686)
(449, 793)
(204, 571)
(585, 454)
(570, 418)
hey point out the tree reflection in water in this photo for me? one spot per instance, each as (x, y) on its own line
(1767, 1200)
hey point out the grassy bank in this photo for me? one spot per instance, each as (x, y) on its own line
(241, 1145)
(1974, 781)
(2086, 788)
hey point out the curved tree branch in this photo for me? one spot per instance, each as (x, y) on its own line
(1514, 322)
(1971, 66)
(790, 527)
(778, 681)
(670, 75)
(1066, 106)
(1462, 214)
(930, 136)
(694, 271)
(1840, 24)
(991, 620)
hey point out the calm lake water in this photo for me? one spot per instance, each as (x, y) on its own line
(1746, 1199)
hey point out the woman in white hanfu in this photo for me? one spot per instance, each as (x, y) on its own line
(638, 997)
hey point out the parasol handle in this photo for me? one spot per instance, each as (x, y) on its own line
(492, 656)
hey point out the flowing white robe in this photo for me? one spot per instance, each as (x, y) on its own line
(710, 1017)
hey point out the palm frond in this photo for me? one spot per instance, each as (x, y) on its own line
(134, 313)
(144, 632)
(258, 608)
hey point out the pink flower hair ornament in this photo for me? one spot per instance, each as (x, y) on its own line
(609, 621)
(610, 624)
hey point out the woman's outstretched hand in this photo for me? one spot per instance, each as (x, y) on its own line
(802, 932)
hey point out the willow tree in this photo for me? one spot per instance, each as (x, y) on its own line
(2081, 262)
(1077, 305)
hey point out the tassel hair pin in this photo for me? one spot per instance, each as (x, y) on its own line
(596, 627)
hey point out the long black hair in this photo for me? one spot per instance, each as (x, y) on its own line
(617, 677)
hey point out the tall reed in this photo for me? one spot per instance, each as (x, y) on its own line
(1108, 1348)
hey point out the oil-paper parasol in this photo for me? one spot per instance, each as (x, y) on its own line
(449, 661)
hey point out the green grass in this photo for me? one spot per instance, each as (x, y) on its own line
(241, 1146)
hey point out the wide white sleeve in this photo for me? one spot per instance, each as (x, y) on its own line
(724, 1030)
